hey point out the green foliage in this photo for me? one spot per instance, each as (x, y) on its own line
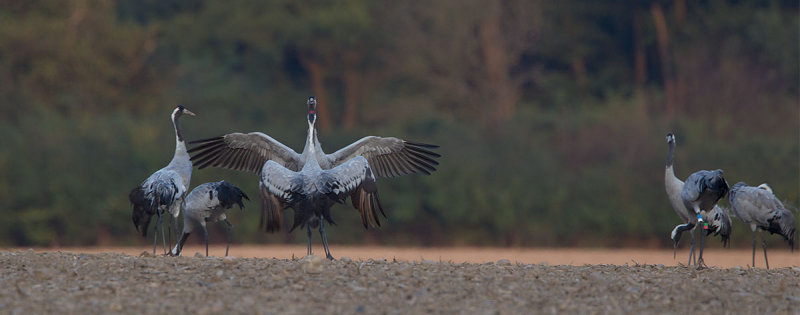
(86, 88)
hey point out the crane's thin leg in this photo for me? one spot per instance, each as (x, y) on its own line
(675, 236)
(230, 228)
(155, 236)
(691, 250)
(324, 238)
(163, 236)
(754, 248)
(700, 262)
(205, 237)
(308, 234)
(764, 244)
(169, 235)
(175, 220)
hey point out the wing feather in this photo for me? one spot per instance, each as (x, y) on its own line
(389, 157)
(355, 179)
(280, 187)
(420, 165)
(243, 152)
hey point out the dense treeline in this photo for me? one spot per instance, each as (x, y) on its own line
(551, 115)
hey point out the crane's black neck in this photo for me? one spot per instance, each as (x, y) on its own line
(670, 153)
(177, 124)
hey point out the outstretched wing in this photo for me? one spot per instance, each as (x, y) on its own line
(354, 178)
(279, 187)
(243, 152)
(389, 157)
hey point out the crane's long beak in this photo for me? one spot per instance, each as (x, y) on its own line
(674, 250)
(188, 112)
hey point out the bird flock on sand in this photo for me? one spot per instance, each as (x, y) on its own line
(695, 201)
(312, 182)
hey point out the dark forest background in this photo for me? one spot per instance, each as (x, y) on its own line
(551, 115)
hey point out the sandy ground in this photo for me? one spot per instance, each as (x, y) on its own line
(34, 282)
(722, 258)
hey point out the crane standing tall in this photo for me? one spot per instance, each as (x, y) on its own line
(165, 189)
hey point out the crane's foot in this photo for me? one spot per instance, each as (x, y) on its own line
(701, 264)
(329, 256)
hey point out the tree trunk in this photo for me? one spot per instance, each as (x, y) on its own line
(680, 11)
(579, 70)
(103, 236)
(75, 19)
(640, 56)
(680, 85)
(352, 90)
(496, 58)
(316, 72)
(662, 36)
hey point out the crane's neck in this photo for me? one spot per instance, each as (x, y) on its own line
(671, 182)
(670, 154)
(312, 150)
(312, 146)
(670, 171)
(311, 139)
(181, 156)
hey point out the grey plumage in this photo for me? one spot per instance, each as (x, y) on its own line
(208, 203)
(165, 189)
(758, 207)
(700, 193)
(718, 218)
(720, 223)
(312, 181)
(703, 189)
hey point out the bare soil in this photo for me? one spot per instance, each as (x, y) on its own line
(779, 256)
(392, 281)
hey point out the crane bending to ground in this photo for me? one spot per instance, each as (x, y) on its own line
(207, 203)
(700, 193)
(758, 207)
(719, 220)
(311, 182)
(165, 189)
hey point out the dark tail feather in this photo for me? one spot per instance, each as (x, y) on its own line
(228, 195)
(142, 210)
(299, 218)
(716, 183)
(271, 211)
